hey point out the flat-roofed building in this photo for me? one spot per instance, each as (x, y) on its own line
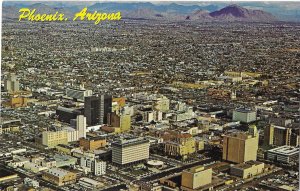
(78, 94)
(53, 138)
(92, 143)
(90, 183)
(59, 176)
(244, 115)
(247, 169)
(195, 177)
(240, 147)
(130, 150)
(285, 154)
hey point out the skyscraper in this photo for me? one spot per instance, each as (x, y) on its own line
(92, 110)
(81, 126)
(241, 147)
(11, 83)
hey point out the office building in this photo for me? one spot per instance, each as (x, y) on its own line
(11, 84)
(130, 150)
(121, 121)
(161, 103)
(96, 166)
(244, 115)
(53, 138)
(284, 154)
(195, 178)
(180, 145)
(248, 169)
(279, 135)
(81, 126)
(92, 143)
(96, 109)
(59, 177)
(241, 147)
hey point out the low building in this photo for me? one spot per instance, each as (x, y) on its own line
(92, 143)
(247, 169)
(180, 145)
(53, 138)
(59, 176)
(90, 183)
(244, 115)
(195, 178)
(285, 154)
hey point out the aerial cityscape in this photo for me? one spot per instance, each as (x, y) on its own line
(173, 96)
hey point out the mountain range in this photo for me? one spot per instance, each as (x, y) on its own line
(144, 10)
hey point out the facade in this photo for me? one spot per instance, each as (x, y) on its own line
(279, 136)
(120, 121)
(180, 145)
(98, 167)
(59, 176)
(11, 84)
(97, 108)
(244, 115)
(53, 138)
(78, 94)
(196, 177)
(18, 102)
(162, 104)
(240, 147)
(284, 154)
(92, 143)
(81, 126)
(130, 151)
(247, 169)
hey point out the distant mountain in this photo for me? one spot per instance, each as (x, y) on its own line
(238, 13)
(199, 15)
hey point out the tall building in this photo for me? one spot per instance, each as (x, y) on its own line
(12, 84)
(53, 138)
(121, 121)
(196, 177)
(105, 108)
(97, 108)
(130, 150)
(92, 110)
(65, 114)
(241, 147)
(81, 126)
(162, 103)
(96, 166)
(279, 135)
(244, 115)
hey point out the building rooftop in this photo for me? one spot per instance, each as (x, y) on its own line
(285, 150)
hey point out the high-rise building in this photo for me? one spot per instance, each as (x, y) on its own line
(279, 135)
(12, 84)
(241, 147)
(96, 109)
(121, 121)
(81, 126)
(65, 114)
(130, 150)
(98, 167)
(196, 177)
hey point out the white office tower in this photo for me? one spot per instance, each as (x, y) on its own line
(130, 150)
(98, 167)
(11, 83)
(81, 126)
